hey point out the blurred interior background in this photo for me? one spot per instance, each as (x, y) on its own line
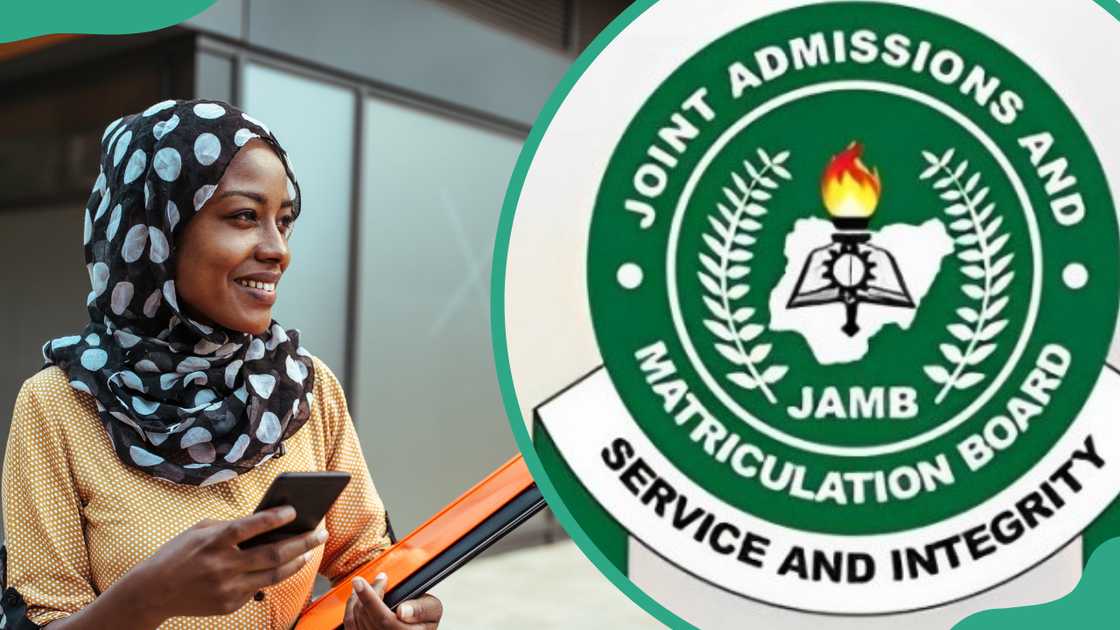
(403, 120)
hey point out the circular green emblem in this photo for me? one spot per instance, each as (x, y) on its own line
(859, 280)
(841, 281)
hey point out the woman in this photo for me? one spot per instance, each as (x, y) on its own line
(137, 456)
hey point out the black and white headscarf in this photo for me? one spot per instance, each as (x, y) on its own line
(182, 401)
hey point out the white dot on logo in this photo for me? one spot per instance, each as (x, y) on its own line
(630, 276)
(1075, 275)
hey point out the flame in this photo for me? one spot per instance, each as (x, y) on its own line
(850, 190)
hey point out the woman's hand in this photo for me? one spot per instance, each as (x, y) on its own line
(365, 609)
(203, 572)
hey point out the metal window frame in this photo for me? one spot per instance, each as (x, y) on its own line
(477, 11)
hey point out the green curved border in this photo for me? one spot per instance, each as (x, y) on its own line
(501, 353)
(30, 18)
(498, 320)
(1093, 594)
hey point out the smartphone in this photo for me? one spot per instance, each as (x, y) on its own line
(311, 494)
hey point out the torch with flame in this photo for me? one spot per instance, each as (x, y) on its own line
(851, 270)
(850, 190)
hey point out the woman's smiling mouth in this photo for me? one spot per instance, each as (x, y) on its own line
(263, 292)
(254, 284)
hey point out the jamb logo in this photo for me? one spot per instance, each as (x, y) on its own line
(852, 274)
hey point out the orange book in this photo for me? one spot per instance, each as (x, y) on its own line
(468, 525)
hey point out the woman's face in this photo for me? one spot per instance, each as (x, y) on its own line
(231, 254)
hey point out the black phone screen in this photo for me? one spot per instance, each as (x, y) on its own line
(311, 494)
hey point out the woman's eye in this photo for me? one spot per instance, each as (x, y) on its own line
(246, 215)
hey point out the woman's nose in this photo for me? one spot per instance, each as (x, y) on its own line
(272, 246)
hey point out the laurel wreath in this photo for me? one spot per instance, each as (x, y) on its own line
(977, 229)
(724, 271)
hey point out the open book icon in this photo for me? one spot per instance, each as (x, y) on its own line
(449, 539)
(851, 272)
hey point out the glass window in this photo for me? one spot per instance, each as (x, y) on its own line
(213, 77)
(314, 121)
(428, 411)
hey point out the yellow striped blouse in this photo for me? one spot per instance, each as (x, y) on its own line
(77, 519)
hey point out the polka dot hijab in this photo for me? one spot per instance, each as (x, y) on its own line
(182, 401)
